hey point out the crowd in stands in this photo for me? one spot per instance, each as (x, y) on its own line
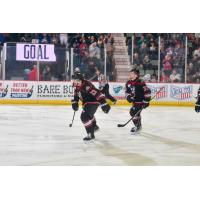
(89, 48)
(193, 65)
(89, 52)
(172, 56)
(42, 38)
(145, 53)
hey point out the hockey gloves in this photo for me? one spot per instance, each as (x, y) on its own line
(197, 106)
(75, 105)
(130, 98)
(105, 107)
(145, 104)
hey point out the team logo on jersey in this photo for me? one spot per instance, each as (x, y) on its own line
(27, 93)
(160, 95)
(3, 91)
(181, 93)
(87, 88)
(117, 89)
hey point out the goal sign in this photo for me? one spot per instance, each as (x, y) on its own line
(35, 52)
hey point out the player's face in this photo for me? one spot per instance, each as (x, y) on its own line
(132, 75)
(76, 83)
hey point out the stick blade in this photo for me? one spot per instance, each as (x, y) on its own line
(70, 125)
(120, 125)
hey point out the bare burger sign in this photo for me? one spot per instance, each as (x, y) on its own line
(35, 52)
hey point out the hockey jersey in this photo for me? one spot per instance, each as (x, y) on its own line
(88, 93)
(138, 91)
(102, 81)
(198, 96)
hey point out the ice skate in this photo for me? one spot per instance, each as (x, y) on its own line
(136, 130)
(89, 137)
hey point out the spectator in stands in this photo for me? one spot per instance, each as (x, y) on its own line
(83, 47)
(64, 39)
(162, 50)
(190, 71)
(92, 39)
(23, 38)
(136, 61)
(26, 73)
(197, 52)
(141, 41)
(196, 77)
(54, 39)
(32, 76)
(35, 39)
(167, 65)
(143, 51)
(153, 51)
(101, 44)
(109, 39)
(146, 63)
(179, 55)
(94, 51)
(179, 51)
(47, 76)
(175, 77)
(1, 39)
(44, 38)
(154, 78)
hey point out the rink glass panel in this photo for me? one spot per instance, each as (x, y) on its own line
(19, 70)
(144, 53)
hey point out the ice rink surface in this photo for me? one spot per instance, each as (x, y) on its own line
(40, 135)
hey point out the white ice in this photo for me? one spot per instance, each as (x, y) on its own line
(40, 135)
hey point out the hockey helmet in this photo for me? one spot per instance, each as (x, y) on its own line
(77, 76)
(136, 71)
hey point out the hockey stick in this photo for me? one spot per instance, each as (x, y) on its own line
(122, 125)
(70, 125)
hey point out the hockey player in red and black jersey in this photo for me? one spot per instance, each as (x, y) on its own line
(197, 105)
(139, 95)
(91, 99)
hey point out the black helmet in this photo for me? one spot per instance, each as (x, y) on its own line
(77, 76)
(136, 71)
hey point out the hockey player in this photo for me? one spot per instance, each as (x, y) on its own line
(91, 99)
(139, 95)
(197, 105)
(104, 86)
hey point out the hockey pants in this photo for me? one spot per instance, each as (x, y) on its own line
(87, 116)
(136, 119)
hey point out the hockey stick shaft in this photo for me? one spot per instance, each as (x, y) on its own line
(72, 119)
(122, 125)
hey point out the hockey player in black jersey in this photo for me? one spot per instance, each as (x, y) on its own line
(91, 99)
(139, 95)
(197, 105)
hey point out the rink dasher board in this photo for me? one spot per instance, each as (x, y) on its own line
(61, 93)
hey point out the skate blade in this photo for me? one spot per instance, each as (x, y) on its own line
(136, 133)
(89, 141)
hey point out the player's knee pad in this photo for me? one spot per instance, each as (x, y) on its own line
(136, 119)
(132, 111)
